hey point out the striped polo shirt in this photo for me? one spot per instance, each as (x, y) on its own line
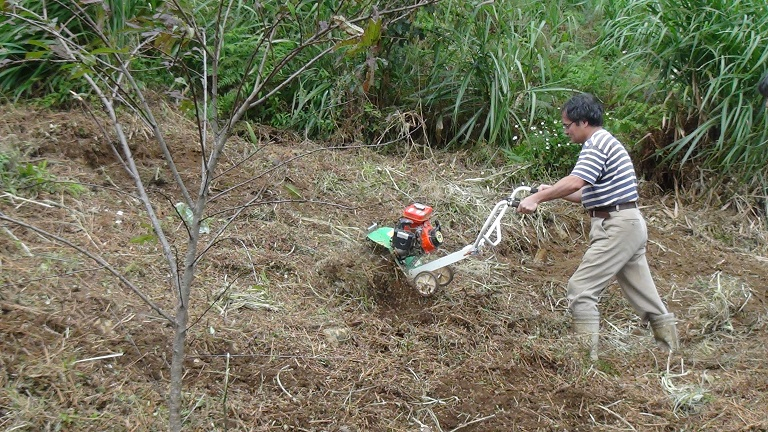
(605, 164)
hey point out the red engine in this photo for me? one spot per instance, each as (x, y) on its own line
(414, 234)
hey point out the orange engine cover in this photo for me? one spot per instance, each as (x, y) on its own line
(430, 237)
(418, 213)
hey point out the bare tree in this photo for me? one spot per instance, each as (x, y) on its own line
(182, 40)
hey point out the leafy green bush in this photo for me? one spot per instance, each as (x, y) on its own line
(632, 120)
(545, 148)
(25, 178)
(266, 45)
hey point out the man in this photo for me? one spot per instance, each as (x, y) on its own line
(604, 181)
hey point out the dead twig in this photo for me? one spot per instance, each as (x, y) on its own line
(280, 384)
(18, 242)
(477, 420)
(622, 419)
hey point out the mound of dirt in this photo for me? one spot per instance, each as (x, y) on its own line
(299, 323)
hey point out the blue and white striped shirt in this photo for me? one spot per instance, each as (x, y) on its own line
(605, 164)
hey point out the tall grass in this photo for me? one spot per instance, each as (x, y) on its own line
(708, 56)
(29, 65)
(489, 67)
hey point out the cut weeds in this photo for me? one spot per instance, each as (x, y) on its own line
(300, 324)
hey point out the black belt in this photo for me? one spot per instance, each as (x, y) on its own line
(605, 211)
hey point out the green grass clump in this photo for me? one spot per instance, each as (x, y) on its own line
(27, 178)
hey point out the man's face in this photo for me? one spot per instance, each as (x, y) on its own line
(575, 130)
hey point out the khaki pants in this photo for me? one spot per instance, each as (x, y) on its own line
(616, 248)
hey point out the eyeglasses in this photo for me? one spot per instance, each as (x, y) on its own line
(567, 125)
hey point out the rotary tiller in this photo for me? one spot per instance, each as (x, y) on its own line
(414, 237)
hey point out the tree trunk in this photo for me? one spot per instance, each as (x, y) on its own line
(175, 399)
(177, 368)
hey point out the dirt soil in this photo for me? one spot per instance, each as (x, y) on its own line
(301, 324)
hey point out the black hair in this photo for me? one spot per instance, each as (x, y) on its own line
(762, 86)
(584, 107)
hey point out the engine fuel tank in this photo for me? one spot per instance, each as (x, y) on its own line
(418, 212)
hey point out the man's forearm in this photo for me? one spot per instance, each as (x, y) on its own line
(574, 197)
(568, 188)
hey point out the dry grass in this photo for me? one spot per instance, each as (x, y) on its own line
(302, 325)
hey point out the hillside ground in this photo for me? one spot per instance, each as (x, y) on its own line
(301, 324)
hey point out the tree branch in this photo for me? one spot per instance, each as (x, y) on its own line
(95, 258)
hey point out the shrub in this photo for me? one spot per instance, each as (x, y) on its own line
(546, 149)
